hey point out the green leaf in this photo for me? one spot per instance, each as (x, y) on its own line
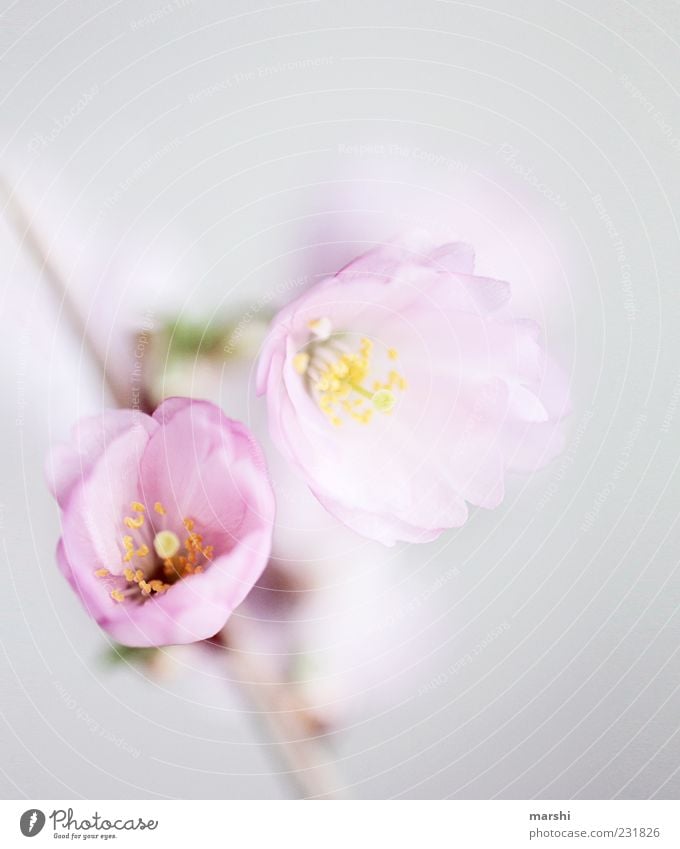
(116, 654)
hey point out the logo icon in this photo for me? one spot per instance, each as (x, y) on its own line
(31, 822)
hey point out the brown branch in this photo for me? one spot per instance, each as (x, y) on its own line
(298, 736)
(40, 254)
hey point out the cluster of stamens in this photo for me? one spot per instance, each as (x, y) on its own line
(170, 558)
(337, 376)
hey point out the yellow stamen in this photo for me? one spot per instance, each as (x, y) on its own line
(101, 573)
(176, 564)
(321, 327)
(166, 545)
(300, 362)
(133, 523)
(340, 386)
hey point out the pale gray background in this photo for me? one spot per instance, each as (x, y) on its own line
(213, 148)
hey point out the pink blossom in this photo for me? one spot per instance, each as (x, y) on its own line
(166, 519)
(402, 388)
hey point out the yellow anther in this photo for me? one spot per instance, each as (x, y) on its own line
(396, 380)
(188, 524)
(321, 328)
(392, 353)
(129, 574)
(145, 588)
(138, 507)
(102, 573)
(300, 362)
(166, 545)
(158, 507)
(142, 551)
(117, 595)
(383, 400)
(139, 575)
(129, 546)
(133, 523)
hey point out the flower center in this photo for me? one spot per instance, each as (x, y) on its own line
(156, 572)
(338, 376)
(166, 544)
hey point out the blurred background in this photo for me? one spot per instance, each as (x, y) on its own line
(170, 174)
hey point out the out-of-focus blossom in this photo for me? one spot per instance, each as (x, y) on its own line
(347, 641)
(166, 519)
(402, 388)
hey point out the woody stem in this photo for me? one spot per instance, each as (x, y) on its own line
(41, 256)
(298, 738)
